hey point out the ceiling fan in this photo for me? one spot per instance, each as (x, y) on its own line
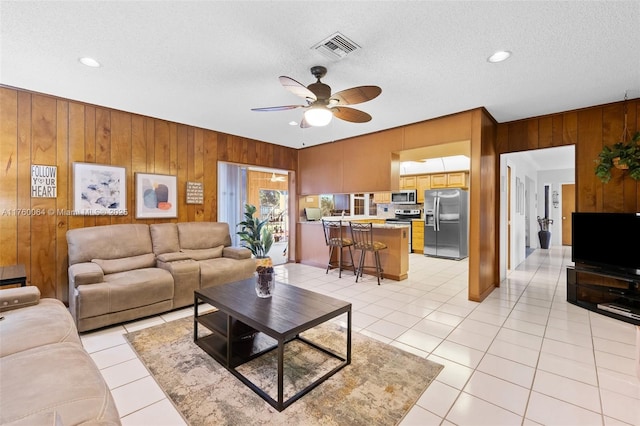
(275, 178)
(322, 105)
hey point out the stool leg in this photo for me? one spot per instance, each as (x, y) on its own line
(378, 266)
(361, 264)
(353, 265)
(329, 263)
(340, 262)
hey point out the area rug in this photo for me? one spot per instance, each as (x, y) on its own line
(379, 387)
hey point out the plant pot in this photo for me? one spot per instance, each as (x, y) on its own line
(545, 239)
(617, 165)
(265, 284)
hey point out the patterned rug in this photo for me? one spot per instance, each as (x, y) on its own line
(378, 388)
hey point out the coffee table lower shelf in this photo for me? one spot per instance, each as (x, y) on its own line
(249, 344)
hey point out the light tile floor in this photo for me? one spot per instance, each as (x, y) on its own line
(524, 356)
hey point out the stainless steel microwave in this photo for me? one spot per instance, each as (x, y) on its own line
(404, 196)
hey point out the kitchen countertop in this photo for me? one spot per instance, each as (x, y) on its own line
(359, 218)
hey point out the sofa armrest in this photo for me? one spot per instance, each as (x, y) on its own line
(172, 257)
(236, 253)
(19, 297)
(85, 273)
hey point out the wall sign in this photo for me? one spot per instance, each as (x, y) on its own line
(44, 181)
(195, 193)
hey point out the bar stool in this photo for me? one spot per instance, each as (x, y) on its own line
(335, 237)
(362, 234)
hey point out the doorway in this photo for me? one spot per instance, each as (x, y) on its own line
(523, 176)
(265, 188)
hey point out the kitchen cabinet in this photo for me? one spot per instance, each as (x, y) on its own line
(449, 180)
(408, 182)
(457, 180)
(417, 236)
(423, 183)
(382, 197)
(438, 180)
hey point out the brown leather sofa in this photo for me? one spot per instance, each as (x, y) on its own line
(46, 377)
(118, 273)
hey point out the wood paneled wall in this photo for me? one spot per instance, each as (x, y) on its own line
(45, 130)
(589, 129)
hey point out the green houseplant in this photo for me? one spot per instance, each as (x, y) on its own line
(254, 234)
(623, 155)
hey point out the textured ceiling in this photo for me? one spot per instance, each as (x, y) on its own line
(207, 63)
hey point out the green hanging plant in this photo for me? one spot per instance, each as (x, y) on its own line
(622, 155)
(254, 234)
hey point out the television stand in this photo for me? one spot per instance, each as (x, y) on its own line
(610, 293)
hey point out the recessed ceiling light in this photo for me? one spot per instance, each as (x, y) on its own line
(293, 123)
(499, 56)
(90, 62)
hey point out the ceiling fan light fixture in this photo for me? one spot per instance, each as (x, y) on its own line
(318, 116)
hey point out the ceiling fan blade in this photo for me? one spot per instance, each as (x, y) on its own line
(357, 95)
(296, 88)
(278, 108)
(351, 114)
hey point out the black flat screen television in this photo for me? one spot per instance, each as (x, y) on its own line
(607, 241)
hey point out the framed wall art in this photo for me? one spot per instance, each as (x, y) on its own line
(156, 196)
(99, 189)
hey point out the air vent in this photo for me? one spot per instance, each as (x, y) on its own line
(336, 46)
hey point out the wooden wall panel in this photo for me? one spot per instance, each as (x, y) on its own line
(43, 152)
(62, 199)
(9, 179)
(45, 130)
(589, 129)
(23, 163)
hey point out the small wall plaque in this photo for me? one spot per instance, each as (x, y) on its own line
(44, 181)
(195, 193)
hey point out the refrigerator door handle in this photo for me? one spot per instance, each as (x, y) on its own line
(436, 213)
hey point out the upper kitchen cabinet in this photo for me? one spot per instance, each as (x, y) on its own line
(360, 164)
(368, 161)
(320, 169)
(422, 183)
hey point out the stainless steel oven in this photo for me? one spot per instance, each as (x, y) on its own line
(405, 216)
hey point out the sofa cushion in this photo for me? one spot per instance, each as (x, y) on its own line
(164, 237)
(173, 257)
(112, 266)
(201, 235)
(124, 290)
(204, 254)
(108, 242)
(59, 377)
(222, 270)
(47, 322)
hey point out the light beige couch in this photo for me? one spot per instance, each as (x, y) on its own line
(123, 272)
(46, 377)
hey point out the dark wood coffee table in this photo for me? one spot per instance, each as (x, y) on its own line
(245, 327)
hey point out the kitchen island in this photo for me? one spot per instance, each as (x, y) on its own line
(394, 259)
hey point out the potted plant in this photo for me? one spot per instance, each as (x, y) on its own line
(256, 236)
(544, 235)
(622, 155)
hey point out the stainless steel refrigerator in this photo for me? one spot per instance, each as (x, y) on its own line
(446, 223)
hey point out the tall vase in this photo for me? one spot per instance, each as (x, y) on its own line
(545, 239)
(265, 284)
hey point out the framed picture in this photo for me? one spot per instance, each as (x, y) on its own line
(99, 189)
(156, 196)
